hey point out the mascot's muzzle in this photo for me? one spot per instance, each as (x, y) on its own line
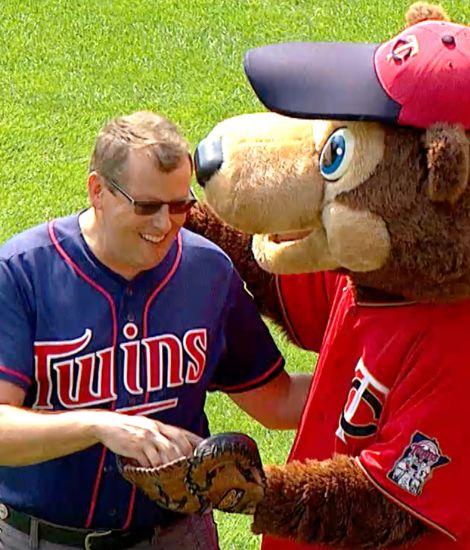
(208, 159)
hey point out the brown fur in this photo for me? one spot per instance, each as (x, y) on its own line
(430, 259)
(331, 502)
(422, 11)
(448, 163)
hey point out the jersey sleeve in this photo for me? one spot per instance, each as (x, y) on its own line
(16, 333)
(306, 301)
(251, 358)
(421, 455)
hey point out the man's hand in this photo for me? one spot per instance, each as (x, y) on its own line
(30, 437)
(149, 442)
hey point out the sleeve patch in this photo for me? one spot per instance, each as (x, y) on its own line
(416, 464)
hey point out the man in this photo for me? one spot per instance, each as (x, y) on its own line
(115, 323)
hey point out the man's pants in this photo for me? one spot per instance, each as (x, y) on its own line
(191, 533)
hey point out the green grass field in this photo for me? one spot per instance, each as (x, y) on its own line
(67, 66)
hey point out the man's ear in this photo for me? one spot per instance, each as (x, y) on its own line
(95, 186)
(448, 162)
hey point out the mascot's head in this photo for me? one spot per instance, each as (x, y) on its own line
(366, 167)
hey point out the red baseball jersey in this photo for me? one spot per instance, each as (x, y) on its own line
(391, 389)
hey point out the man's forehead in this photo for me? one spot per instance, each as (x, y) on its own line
(142, 175)
(143, 158)
(140, 158)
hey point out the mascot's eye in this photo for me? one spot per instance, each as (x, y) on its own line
(336, 154)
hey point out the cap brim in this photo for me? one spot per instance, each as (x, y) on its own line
(334, 80)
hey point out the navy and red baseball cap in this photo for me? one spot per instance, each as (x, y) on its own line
(419, 77)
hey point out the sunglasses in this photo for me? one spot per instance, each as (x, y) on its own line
(147, 208)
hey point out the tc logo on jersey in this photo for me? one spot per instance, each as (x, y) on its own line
(363, 407)
(415, 466)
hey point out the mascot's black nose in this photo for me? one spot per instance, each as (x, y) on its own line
(207, 159)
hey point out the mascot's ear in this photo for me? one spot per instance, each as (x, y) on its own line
(448, 162)
(422, 11)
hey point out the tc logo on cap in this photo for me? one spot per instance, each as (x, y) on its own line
(433, 86)
(403, 49)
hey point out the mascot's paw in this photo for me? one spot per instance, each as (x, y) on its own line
(224, 472)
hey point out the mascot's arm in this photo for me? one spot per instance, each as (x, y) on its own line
(237, 245)
(331, 502)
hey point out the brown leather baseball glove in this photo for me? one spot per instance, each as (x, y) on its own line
(224, 472)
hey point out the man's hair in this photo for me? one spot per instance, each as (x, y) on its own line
(140, 130)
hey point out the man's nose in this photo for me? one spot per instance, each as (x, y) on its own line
(161, 220)
(208, 159)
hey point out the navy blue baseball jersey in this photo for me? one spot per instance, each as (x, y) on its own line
(74, 335)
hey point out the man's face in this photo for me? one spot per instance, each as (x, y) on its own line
(131, 243)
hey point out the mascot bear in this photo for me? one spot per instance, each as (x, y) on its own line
(347, 212)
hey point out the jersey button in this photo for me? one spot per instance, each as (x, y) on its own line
(129, 291)
(112, 512)
(130, 317)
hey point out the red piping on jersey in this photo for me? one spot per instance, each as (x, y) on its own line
(403, 505)
(110, 300)
(248, 385)
(285, 315)
(169, 275)
(19, 375)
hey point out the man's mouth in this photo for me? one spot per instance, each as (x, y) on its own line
(289, 236)
(154, 239)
